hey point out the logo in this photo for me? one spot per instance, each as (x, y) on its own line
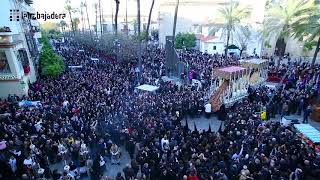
(16, 14)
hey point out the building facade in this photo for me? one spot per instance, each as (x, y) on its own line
(199, 16)
(19, 47)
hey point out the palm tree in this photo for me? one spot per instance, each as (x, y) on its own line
(116, 17)
(127, 30)
(232, 15)
(280, 18)
(70, 10)
(242, 36)
(149, 20)
(308, 28)
(76, 22)
(63, 25)
(96, 11)
(100, 17)
(82, 15)
(175, 22)
(86, 5)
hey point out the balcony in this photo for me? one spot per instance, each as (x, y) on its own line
(8, 39)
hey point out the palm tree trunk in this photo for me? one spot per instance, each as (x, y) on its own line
(72, 27)
(281, 48)
(88, 17)
(100, 17)
(227, 46)
(116, 18)
(316, 53)
(82, 20)
(175, 22)
(112, 16)
(96, 29)
(127, 28)
(149, 21)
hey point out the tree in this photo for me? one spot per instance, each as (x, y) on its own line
(175, 21)
(82, 5)
(86, 5)
(308, 28)
(63, 25)
(47, 26)
(149, 20)
(116, 17)
(76, 22)
(187, 40)
(232, 15)
(135, 26)
(242, 36)
(280, 18)
(51, 64)
(95, 5)
(100, 17)
(70, 10)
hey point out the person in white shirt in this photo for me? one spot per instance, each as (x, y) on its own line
(207, 109)
(65, 104)
(164, 143)
(13, 164)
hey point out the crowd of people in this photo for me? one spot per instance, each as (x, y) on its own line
(93, 112)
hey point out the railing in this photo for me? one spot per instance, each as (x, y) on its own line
(6, 37)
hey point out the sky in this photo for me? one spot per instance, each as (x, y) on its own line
(57, 6)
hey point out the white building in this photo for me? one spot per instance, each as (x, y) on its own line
(193, 14)
(19, 48)
(208, 42)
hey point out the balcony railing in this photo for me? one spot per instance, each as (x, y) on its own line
(6, 37)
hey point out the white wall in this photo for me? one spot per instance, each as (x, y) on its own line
(12, 87)
(208, 47)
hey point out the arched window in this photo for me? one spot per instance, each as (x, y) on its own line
(4, 64)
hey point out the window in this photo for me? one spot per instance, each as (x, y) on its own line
(214, 47)
(19, 60)
(4, 64)
(24, 57)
